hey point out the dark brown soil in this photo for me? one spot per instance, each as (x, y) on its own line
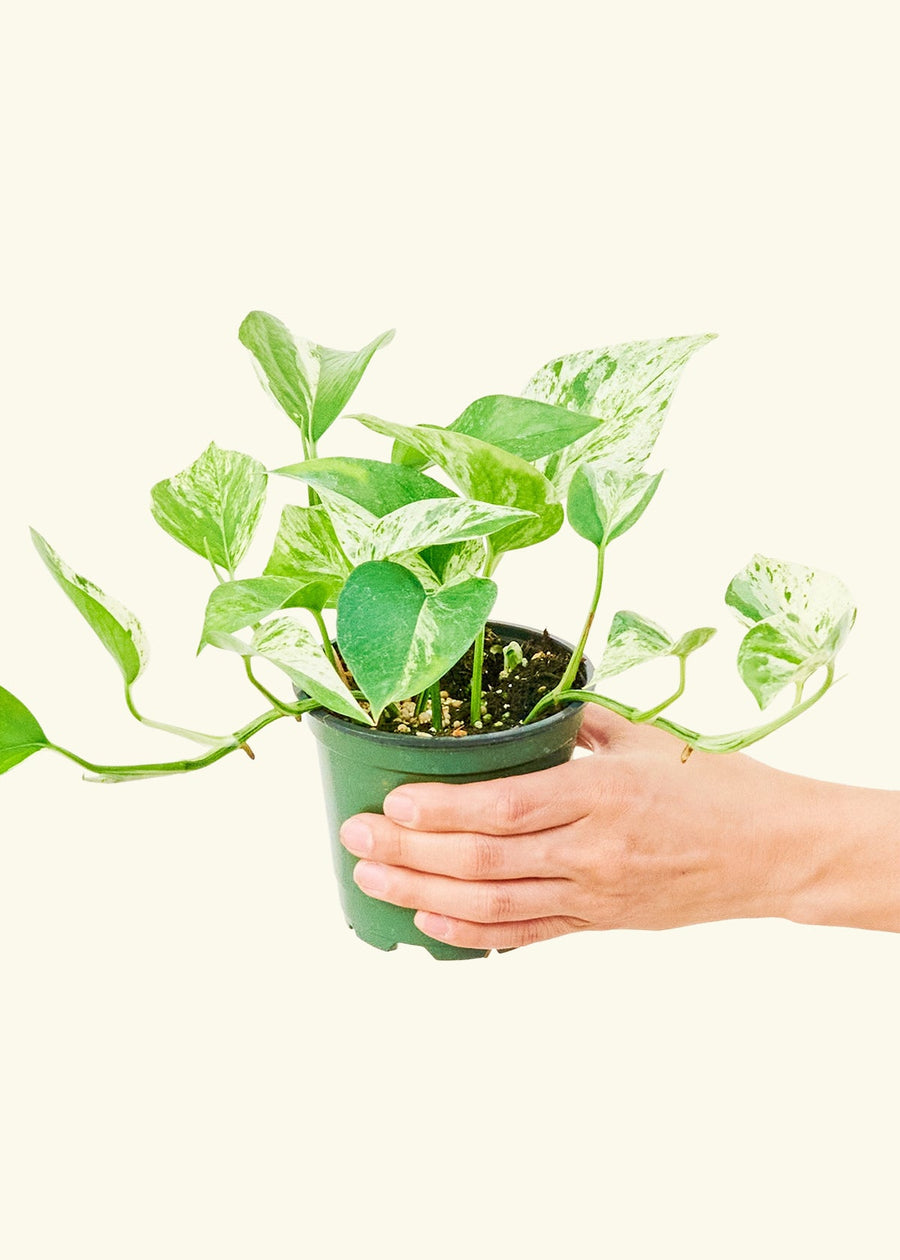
(506, 698)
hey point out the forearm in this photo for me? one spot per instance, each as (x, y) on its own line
(848, 850)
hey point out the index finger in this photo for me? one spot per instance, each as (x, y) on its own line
(497, 807)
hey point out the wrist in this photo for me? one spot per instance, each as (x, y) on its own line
(845, 842)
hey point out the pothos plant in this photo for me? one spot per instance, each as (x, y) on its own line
(408, 561)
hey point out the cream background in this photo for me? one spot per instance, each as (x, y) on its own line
(197, 1059)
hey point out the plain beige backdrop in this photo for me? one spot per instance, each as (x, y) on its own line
(197, 1059)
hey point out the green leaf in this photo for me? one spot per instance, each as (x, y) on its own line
(235, 605)
(340, 371)
(286, 644)
(634, 639)
(605, 502)
(396, 638)
(628, 388)
(307, 549)
(312, 383)
(213, 506)
(488, 474)
(693, 640)
(117, 629)
(520, 426)
(20, 732)
(378, 487)
(428, 522)
(288, 369)
(799, 620)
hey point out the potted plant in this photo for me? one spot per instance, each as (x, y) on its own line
(416, 682)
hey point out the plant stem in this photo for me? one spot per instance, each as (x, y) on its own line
(437, 712)
(650, 714)
(733, 741)
(575, 659)
(309, 452)
(327, 644)
(289, 710)
(198, 737)
(477, 666)
(490, 565)
(238, 740)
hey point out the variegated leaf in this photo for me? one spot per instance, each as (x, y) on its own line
(799, 619)
(628, 389)
(520, 426)
(419, 635)
(340, 371)
(117, 629)
(287, 368)
(311, 382)
(213, 506)
(603, 502)
(634, 639)
(235, 605)
(488, 474)
(307, 549)
(291, 648)
(429, 522)
(378, 487)
(20, 731)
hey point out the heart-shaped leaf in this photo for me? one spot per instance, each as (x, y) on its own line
(378, 487)
(488, 474)
(605, 502)
(307, 549)
(396, 638)
(235, 605)
(799, 620)
(213, 506)
(291, 648)
(634, 639)
(520, 426)
(20, 732)
(312, 383)
(628, 389)
(428, 522)
(117, 629)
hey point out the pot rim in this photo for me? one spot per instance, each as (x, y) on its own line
(450, 741)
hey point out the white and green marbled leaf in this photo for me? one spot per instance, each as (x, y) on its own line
(213, 506)
(284, 643)
(397, 638)
(487, 474)
(603, 503)
(520, 426)
(311, 382)
(236, 605)
(117, 629)
(307, 549)
(627, 388)
(634, 640)
(799, 619)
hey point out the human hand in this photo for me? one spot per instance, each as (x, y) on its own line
(630, 836)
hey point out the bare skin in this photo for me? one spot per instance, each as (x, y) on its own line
(631, 837)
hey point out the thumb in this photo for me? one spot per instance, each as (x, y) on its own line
(602, 728)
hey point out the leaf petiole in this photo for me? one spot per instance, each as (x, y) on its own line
(198, 737)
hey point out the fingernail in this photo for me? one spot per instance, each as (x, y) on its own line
(399, 806)
(371, 877)
(357, 837)
(433, 924)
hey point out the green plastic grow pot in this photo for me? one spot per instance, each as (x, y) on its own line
(360, 767)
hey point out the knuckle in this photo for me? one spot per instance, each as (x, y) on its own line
(498, 904)
(481, 858)
(509, 806)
